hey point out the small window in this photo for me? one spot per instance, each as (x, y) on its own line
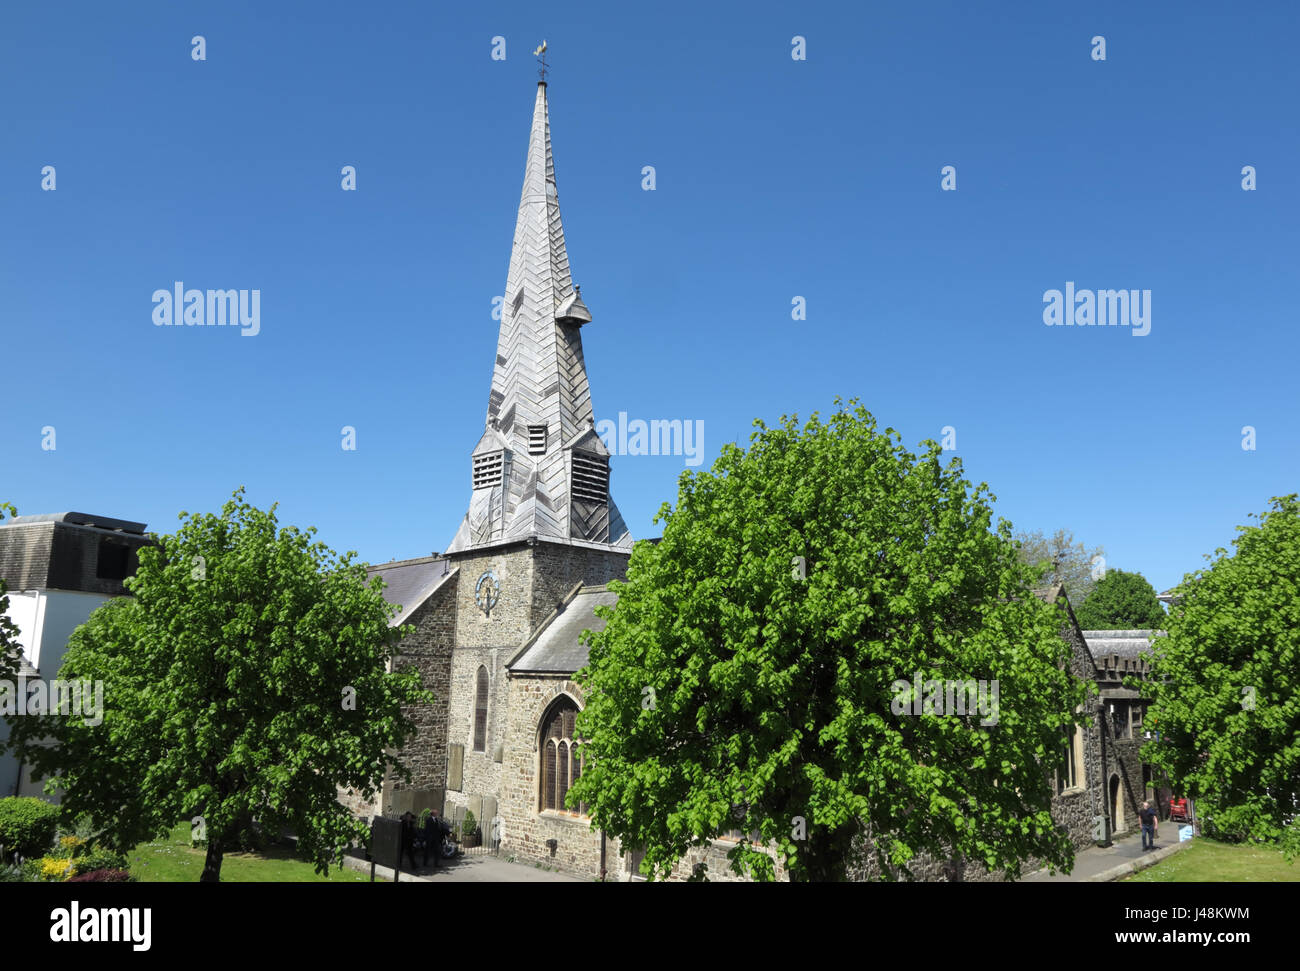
(487, 469)
(733, 832)
(519, 298)
(536, 439)
(590, 478)
(113, 559)
(1119, 719)
(1070, 776)
(481, 711)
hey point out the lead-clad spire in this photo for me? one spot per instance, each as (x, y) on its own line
(540, 469)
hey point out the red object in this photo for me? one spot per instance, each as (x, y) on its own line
(1178, 810)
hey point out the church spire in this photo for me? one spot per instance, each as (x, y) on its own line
(540, 470)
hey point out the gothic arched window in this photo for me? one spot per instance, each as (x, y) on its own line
(480, 710)
(561, 763)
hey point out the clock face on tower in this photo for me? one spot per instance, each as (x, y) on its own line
(487, 592)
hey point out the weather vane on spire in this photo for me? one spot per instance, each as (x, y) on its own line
(540, 54)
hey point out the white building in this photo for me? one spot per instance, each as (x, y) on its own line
(58, 568)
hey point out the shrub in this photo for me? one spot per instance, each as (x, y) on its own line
(55, 869)
(99, 859)
(27, 825)
(1290, 842)
(102, 876)
(470, 826)
(85, 828)
(11, 874)
(72, 846)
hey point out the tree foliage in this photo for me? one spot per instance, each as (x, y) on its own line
(9, 651)
(1121, 601)
(1225, 684)
(727, 692)
(245, 681)
(1059, 559)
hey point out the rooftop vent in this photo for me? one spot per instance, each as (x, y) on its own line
(590, 478)
(487, 469)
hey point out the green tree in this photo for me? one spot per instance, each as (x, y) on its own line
(9, 651)
(245, 681)
(1225, 683)
(1059, 559)
(1121, 601)
(733, 689)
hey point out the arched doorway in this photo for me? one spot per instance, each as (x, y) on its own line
(1117, 824)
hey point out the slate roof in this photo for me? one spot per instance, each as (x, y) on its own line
(411, 582)
(1125, 643)
(555, 647)
(540, 378)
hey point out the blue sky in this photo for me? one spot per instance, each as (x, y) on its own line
(776, 178)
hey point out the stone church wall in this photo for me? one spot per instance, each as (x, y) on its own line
(557, 568)
(533, 580)
(485, 640)
(428, 647)
(525, 830)
(1123, 759)
(480, 770)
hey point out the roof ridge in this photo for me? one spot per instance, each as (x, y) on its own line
(371, 567)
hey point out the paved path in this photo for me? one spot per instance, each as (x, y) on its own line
(1124, 856)
(470, 869)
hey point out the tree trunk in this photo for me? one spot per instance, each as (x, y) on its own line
(823, 859)
(212, 865)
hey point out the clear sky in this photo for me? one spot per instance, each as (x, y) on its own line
(775, 178)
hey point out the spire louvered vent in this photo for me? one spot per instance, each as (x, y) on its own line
(590, 478)
(487, 469)
(536, 439)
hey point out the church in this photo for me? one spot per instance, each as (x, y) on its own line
(497, 619)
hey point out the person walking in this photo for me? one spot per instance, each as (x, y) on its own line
(408, 838)
(434, 831)
(1150, 820)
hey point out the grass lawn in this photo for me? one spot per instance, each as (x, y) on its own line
(173, 861)
(1211, 862)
